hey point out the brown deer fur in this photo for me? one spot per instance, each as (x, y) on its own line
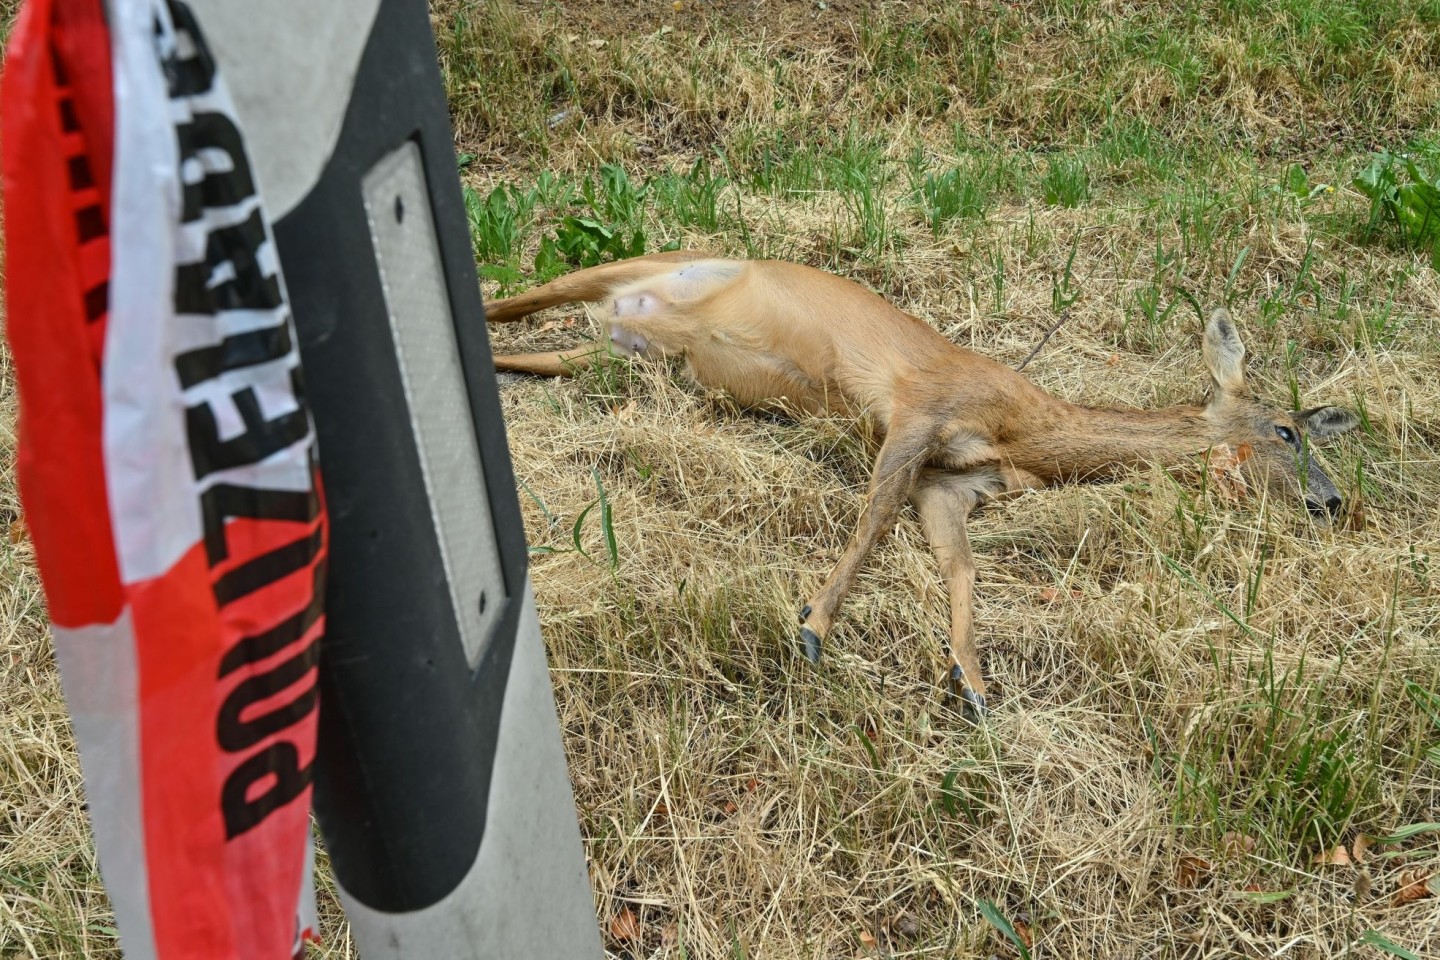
(957, 427)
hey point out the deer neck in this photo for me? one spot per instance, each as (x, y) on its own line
(1085, 443)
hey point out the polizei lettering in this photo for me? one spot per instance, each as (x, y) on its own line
(250, 437)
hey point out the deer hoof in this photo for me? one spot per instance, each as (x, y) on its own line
(974, 710)
(973, 702)
(804, 613)
(811, 640)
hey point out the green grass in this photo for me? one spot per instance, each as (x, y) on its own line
(955, 193)
(691, 199)
(1067, 181)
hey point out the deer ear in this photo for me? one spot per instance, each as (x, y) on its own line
(1224, 353)
(1321, 423)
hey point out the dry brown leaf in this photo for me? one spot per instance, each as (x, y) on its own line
(1022, 930)
(1113, 360)
(1339, 857)
(1190, 871)
(1053, 595)
(625, 925)
(867, 940)
(729, 807)
(1237, 844)
(1361, 847)
(752, 785)
(1414, 885)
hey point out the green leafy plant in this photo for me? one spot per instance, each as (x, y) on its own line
(611, 231)
(1406, 197)
(870, 217)
(584, 242)
(1296, 183)
(617, 199)
(962, 793)
(553, 191)
(498, 222)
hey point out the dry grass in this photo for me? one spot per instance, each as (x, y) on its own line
(1194, 697)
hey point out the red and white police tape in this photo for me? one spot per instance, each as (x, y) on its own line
(168, 471)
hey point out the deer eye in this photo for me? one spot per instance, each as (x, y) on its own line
(1286, 434)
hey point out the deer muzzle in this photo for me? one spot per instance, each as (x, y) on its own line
(1322, 498)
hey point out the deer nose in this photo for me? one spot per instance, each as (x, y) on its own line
(1330, 508)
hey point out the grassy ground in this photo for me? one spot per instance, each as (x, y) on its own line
(1195, 698)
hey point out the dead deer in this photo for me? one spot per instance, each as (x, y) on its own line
(958, 428)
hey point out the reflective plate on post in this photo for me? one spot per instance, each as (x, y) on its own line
(397, 205)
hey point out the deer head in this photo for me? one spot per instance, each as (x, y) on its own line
(1273, 444)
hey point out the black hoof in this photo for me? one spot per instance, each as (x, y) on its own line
(812, 644)
(805, 613)
(973, 704)
(975, 710)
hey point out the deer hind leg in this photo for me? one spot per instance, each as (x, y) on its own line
(898, 464)
(944, 501)
(584, 286)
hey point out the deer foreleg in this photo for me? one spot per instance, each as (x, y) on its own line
(944, 501)
(555, 363)
(899, 462)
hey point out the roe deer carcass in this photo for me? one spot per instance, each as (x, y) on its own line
(958, 427)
